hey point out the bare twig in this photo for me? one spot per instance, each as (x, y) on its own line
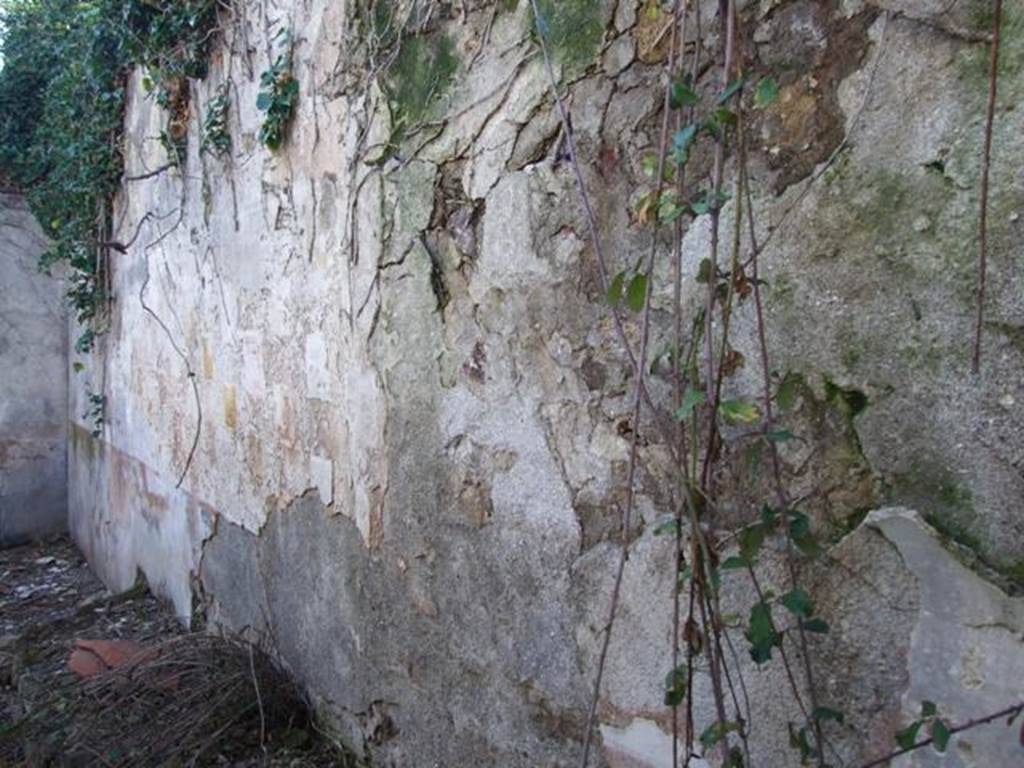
(151, 174)
(687, 474)
(716, 193)
(125, 247)
(986, 160)
(677, 400)
(259, 700)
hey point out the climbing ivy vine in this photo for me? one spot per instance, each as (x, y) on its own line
(279, 93)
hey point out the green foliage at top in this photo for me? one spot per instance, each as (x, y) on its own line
(176, 42)
(62, 97)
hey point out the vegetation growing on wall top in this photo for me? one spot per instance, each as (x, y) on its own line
(62, 99)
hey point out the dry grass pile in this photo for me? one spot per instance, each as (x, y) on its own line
(192, 700)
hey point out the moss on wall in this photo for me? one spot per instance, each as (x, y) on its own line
(574, 29)
(974, 67)
(421, 74)
(945, 502)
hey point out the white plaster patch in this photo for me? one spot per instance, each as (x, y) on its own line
(321, 476)
(254, 382)
(641, 744)
(318, 374)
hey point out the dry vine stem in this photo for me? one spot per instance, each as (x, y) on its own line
(677, 401)
(189, 371)
(701, 595)
(986, 160)
(639, 361)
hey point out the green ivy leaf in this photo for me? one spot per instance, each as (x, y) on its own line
(676, 685)
(767, 92)
(780, 436)
(636, 293)
(798, 740)
(788, 391)
(691, 399)
(704, 272)
(669, 208)
(818, 626)
(649, 166)
(761, 633)
(724, 116)
(615, 289)
(940, 735)
(800, 533)
(719, 120)
(681, 142)
(798, 602)
(928, 709)
(683, 138)
(827, 713)
(708, 202)
(730, 91)
(739, 412)
(908, 736)
(751, 538)
(715, 732)
(264, 100)
(699, 207)
(669, 524)
(733, 563)
(799, 524)
(682, 95)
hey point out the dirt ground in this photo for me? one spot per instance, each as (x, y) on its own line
(49, 598)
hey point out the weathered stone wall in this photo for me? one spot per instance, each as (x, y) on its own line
(33, 383)
(412, 409)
